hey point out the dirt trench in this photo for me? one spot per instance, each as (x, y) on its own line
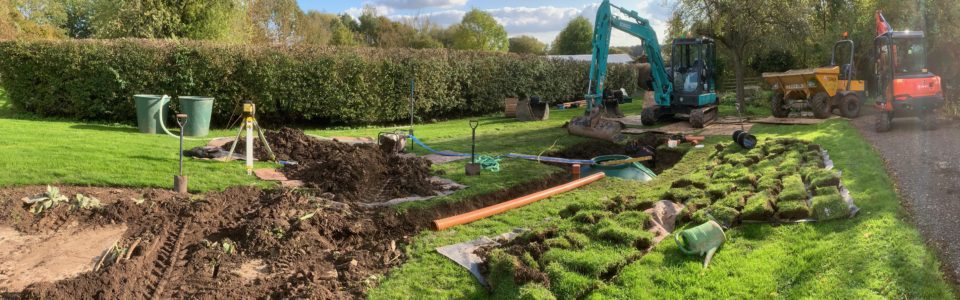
(288, 243)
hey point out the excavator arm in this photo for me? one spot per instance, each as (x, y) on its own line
(638, 27)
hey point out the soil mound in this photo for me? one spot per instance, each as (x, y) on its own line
(353, 173)
(301, 246)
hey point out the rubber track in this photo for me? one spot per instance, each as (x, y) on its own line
(167, 259)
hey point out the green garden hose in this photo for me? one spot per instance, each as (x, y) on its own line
(490, 163)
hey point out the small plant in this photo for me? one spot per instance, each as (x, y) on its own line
(46, 201)
(138, 200)
(278, 233)
(227, 246)
(85, 202)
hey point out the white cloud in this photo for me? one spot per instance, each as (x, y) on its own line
(545, 22)
(380, 10)
(418, 4)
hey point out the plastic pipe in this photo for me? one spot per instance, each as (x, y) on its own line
(468, 217)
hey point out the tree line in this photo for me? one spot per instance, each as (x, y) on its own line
(269, 22)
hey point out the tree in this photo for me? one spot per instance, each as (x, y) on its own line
(315, 28)
(211, 19)
(526, 44)
(741, 26)
(275, 21)
(576, 38)
(480, 31)
(340, 34)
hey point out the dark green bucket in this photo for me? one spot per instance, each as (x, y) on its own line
(150, 108)
(198, 110)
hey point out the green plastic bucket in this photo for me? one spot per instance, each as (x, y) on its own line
(631, 171)
(150, 108)
(198, 110)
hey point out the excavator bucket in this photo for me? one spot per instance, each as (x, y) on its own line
(594, 125)
(532, 109)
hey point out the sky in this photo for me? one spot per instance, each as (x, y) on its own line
(538, 18)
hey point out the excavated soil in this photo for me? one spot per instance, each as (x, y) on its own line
(352, 173)
(288, 243)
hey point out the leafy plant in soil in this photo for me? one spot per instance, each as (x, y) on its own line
(829, 207)
(47, 201)
(84, 202)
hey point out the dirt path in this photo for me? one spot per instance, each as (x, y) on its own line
(926, 166)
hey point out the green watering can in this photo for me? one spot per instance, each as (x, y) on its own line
(700, 240)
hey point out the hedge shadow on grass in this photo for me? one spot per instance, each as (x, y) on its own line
(104, 128)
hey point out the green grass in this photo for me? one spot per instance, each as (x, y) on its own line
(36, 151)
(496, 135)
(874, 255)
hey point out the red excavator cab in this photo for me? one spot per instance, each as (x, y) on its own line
(905, 87)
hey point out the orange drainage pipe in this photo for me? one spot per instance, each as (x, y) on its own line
(468, 217)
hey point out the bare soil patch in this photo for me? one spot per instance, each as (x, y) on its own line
(288, 243)
(352, 173)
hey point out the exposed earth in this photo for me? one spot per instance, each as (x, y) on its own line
(351, 172)
(926, 166)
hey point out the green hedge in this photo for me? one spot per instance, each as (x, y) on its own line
(95, 79)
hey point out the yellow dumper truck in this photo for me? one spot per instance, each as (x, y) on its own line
(820, 89)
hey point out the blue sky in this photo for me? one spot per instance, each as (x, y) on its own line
(538, 18)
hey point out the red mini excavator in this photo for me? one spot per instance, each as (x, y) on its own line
(905, 88)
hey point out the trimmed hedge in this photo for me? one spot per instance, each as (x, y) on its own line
(95, 79)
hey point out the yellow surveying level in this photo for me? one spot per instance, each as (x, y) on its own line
(250, 123)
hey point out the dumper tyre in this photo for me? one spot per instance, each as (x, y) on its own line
(884, 121)
(777, 106)
(648, 117)
(850, 106)
(820, 105)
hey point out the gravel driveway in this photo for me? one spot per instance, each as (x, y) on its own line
(926, 166)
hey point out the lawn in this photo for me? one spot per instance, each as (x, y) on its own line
(45, 151)
(875, 255)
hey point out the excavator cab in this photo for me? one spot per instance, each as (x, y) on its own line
(905, 86)
(693, 63)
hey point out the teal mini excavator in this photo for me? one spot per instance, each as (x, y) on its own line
(684, 89)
